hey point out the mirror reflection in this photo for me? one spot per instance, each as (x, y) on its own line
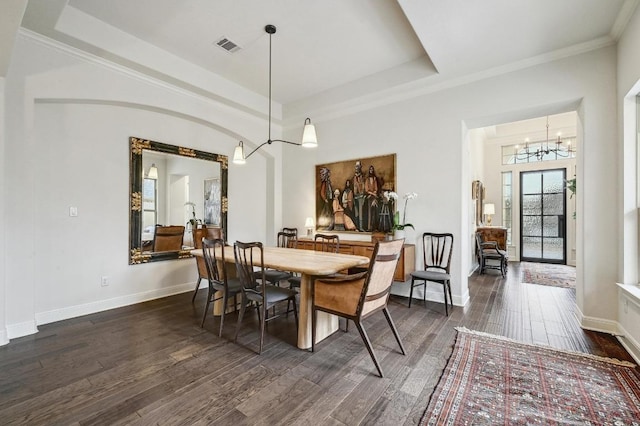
(176, 193)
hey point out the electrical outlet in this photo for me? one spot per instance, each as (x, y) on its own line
(73, 211)
(104, 281)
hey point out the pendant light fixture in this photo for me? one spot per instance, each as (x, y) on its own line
(309, 139)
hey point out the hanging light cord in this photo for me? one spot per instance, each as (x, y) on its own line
(270, 29)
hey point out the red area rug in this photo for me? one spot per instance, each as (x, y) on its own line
(495, 380)
(548, 274)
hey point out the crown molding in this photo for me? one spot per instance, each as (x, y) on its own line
(167, 82)
(433, 84)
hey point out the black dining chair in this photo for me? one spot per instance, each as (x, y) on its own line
(221, 286)
(255, 290)
(287, 238)
(437, 250)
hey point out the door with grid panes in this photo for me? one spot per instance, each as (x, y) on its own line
(543, 216)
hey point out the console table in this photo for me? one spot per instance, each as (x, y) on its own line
(406, 263)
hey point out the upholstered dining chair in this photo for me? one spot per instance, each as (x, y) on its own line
(168, 238)
(219, 280)
(489, 251)
(437, 250)
(198, 235)
(356, 297)
(249, 258)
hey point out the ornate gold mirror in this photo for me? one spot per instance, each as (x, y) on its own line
(173, 192)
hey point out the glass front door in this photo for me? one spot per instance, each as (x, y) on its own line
(542, 216)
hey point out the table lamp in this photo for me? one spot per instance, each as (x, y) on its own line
(489, 210)
(308, 223)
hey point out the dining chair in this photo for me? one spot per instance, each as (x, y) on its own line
(168, 238)
(221, 286)
(488, 251)
(198, 235)
(357, 297)
(249, 259)
(437, 250)
(321, 242)
(287, 238)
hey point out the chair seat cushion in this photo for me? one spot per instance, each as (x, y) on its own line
(273, 275)
(277, 294)
(431, 275)
(295, 281)
(233, 283)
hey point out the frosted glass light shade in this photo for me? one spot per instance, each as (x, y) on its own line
(153, 172)
(238, 154)
(309, 139)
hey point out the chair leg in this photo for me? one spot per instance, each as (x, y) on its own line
(295, 313)
(224, 310)
(313, 328)
(411, 291)
(195, 292)
(446, 306)
(450, 296)
(206, 308)
(243, 306)
(367, 343)
(262, 325)
(393, 328)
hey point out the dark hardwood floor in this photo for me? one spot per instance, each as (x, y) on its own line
(152, 363)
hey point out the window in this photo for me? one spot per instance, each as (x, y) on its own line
(149, 203)
(547, 151)
(507, 203)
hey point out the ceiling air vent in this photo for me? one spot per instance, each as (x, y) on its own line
(227, 45)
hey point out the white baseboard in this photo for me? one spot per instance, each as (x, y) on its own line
(4, 338)
(104, 305)
(630, 344)
(21, 329)
(598, 324)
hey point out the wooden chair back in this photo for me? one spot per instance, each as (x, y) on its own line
(375, 293)
(288, 238)
(168, 238)
(212, 261)
(210, 233)
(326, 243)
(437, 251)
(249, 260)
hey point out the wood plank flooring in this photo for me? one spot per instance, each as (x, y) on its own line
(151, 363)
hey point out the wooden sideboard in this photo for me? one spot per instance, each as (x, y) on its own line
(406, 263)
(494, 233)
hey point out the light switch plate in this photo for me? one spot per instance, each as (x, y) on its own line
(73, 211)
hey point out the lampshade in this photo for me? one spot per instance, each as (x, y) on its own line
(238, 154)
(489, 208)
(153, 172)
(309, 139)
(308, 223)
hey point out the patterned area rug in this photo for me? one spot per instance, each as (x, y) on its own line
(548, 274)
(495, 380)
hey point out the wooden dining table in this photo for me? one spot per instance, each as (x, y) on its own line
(310, 264)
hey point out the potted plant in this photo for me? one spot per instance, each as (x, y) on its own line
(398, 226)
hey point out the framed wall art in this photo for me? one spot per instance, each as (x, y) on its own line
(212, 202)
(350, 194)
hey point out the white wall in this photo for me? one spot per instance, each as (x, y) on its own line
(68, 126)
(425, 134)
(4, 335)
(628, 263)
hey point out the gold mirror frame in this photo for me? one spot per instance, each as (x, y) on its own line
(137, 146)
